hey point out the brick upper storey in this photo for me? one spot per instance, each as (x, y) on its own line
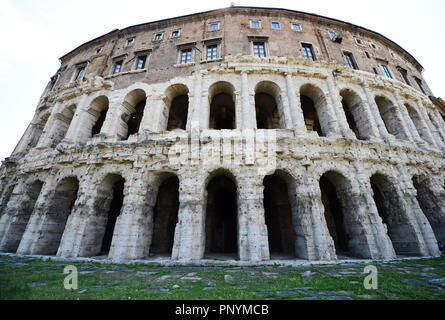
(234, 35)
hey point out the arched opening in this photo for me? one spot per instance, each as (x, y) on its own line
(98, 111)
(268, 106)
(60, 208)
(417, 121)
(133, 113)
(165, 217)
(11, 240)
(388, 112)
(36, 129)
(313, 105)
(355, 114)
(392, 211)
(7, 193)
(334, 213)
(177, 105)
(221, 218)
(61, 124)
(222, 106)
(278, 218)
(117, 184)
(431, 206)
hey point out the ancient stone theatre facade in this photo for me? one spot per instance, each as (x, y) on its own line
(239, 133)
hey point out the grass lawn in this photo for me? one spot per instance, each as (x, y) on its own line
(27, 278)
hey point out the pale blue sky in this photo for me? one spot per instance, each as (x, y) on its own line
(35, 34)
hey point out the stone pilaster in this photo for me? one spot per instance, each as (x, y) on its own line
(134, 226)
(296, 113)
(376, 114)
(189, 240)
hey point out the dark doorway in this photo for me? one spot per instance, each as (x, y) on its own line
(310, 115)
(135, 119)
(178, 113)
(222, 112)
(221, 217)
(100, 121)
(165, 217)
(278, 217)
(334, 216)
(350, 119)
(113, 213)
(266, 111)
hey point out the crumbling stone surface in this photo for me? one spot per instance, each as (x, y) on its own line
(244, 158)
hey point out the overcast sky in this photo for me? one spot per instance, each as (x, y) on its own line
(35, 34)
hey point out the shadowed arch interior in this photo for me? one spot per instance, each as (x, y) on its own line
(267, 98)
(391, 119)
(392, 211)
(165, 217)
(278, 217)
(99, 110)
(176, 106)
(221, 216)
(355, 115)
(310, 97)
(222, 106)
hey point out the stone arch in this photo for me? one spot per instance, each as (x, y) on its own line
(417, 120)
(165, 215)
(222, 100)
(221, 218)
(36, 129)
(133, 112)
(432, 203)
(176, 104)
(269, 106)
(341, 215)
(314, 107)
(6, 196)
(280, 214)
(355, 114)
(392, 211)
(390, 117)
(62, 121)
(52, 227)
(20, 217)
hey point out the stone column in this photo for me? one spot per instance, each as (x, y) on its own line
(15, 219)
(76, 132)
(50, 126)
(134, 226)
(376, 114)
(313, 239)
(248, 103)
(30, 243)
(295, 110)
(380, 243)
(147, 123)
(407, 124)
(431, 127)
(75, 239)
(189, 240)
(338, 109)
(425, 235)
(253, 243)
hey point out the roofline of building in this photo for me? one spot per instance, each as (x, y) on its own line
(253, 8)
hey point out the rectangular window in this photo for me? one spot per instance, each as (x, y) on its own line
(158, 37)
(275, 25)
(404, 75)
(296, 26)
(332, 35)
(259, 49)
(186, 56)
(308, 53)
(419, 83)
(255, 24)
(141, 62)
(175, 34)
(80, 73)
(349, 58)
(130, 41)
(386, 71)
(212, 52)
(98, 50)
(118, 66)
(213, 26)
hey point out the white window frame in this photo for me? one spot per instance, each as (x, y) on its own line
(156, 34)
(209, 43)
(272, 27)
(79, 66)
(265, 40)
(214, 23)
(176, 30)
(251, 24)
(296, 24)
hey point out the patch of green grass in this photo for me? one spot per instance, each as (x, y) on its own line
(122, 282)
